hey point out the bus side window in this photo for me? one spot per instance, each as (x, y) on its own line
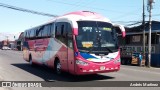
(46, 31)
(69, 28)
(64, 33)
(29, 34)
(32, 34)
(56, 32)
(61, 32)
(69, 35)
(39, 32)
(62, 29)
(26, 35)
(58, 29)
(52, 31)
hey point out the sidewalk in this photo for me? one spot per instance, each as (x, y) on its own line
(145, 68)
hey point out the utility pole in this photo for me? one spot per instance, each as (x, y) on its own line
(143, 23)
(149, 34)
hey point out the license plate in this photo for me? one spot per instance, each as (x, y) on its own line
(102, 68)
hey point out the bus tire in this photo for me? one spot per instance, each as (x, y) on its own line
(58, 67)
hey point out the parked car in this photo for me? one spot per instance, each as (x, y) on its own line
(6, 48)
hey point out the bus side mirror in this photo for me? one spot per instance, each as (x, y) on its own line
(123, 32)
(75, 31)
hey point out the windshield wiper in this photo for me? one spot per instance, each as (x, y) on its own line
(90, 50)
(83, 50)
(109, 49)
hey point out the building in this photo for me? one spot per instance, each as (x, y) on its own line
(8, 44)
(134, 43)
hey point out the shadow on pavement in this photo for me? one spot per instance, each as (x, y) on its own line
(48, 75)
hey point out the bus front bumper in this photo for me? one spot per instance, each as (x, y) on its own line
(96, 68)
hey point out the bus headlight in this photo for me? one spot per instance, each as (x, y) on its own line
(81, 62)
(117, 61)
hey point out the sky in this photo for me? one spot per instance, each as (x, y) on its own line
(118, 11)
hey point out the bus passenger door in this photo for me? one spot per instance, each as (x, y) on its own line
(71, 61)
(70, 51)
(63, 32)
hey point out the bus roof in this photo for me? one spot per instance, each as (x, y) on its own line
(82, 15)
(78, 16)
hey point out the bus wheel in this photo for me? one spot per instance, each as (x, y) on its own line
(58, 67)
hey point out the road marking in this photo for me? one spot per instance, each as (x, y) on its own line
(140, 70)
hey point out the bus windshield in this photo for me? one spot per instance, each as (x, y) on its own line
(96, 37)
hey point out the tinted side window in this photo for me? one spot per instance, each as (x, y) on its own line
(25, 34)
(28, 33)
(58, 29)
(39, 32)
(61, 32)
(64, 31)
(63, 28)
(32, 33)
(46, 30)
(69, 28)
(52, 31)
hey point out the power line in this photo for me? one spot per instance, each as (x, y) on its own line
(126, 21)
(78, 5)
(26, 10)
(136, 23)
(128, 14)
(102, 9)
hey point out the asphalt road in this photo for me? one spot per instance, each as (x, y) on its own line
(14, 68)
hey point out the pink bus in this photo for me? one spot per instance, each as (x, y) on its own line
(80, 43)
